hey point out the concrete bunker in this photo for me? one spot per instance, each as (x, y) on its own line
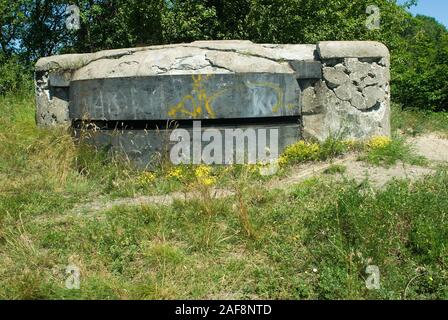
(130, 100)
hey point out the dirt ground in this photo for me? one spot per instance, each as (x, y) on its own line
(431, 146)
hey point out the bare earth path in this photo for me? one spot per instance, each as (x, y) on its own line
(431, 146)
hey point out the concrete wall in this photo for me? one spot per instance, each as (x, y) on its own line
(353, 97)
(334, 88)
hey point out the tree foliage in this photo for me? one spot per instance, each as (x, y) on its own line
(421, 66)
(34, 28)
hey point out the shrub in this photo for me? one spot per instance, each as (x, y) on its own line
(13, 75)
(300, 152)
(303, 151)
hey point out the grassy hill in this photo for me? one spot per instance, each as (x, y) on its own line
(307, 240)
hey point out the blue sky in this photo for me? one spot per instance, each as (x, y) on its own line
(433, 8)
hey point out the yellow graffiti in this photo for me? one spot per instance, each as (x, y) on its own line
(200, 101)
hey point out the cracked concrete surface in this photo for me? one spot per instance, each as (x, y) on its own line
(189, 59)
(240, 48)
(353, 99)
(348, 96)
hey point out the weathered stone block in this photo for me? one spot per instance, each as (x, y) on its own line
(311, 101)
(212, 96)
(332, 88)
(373, 96)
(335, 76)
(352, 49)
(342, 119)
(59, 79)
(146, 147)
(307, 69)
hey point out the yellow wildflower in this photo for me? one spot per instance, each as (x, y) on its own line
(379, 142)
(282, 160)
(203, 175)
(350, 143)
(146, 178)
(251, 168)
(300, 151)
(202, 171)
(207, 181)
(176, 173)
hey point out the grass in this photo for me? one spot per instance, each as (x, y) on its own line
(387, 152)
(311, 241)
(305, 151)
(415, 122)
(336, 169)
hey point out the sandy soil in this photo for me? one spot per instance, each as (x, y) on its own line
(431, 146)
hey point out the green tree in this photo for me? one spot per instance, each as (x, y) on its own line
(421, 66)
(107, 24)
(34, 28)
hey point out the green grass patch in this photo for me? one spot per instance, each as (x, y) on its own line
(305, 151)
(414, 122)
(335, 169)
(387, 152)
(312, 241)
